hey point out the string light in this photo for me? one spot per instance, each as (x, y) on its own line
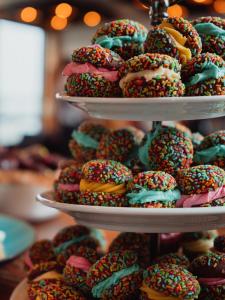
(177, 11)
(63, 10)
(92, 18)
(58, 23)
(219, 6)
(28, 14)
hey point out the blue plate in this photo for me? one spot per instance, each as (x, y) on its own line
(19, 236)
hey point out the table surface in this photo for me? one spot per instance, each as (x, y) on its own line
(12, 272)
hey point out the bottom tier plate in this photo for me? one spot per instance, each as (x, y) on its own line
(20, 292)
(152, 220)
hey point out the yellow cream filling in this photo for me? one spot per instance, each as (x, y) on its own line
(154, 295)
(179, 39)
(87, 186)
(198, 246)
(49, 275)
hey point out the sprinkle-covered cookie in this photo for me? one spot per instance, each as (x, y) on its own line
(175, 37)
(66, 187)
(119, 145)
(85, 140)
(151, 75)
(93, 72)
(45, 271)
(153, 189)
(125, 37)
(136, 242)
(41, 251)
(212, 33)
(204, 75)
(166, 149)
(161, 281)
(212, 150)
(115, 276)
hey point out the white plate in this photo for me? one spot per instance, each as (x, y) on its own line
(23, 196)
(152, 220)
(20, 292)
(151, 109)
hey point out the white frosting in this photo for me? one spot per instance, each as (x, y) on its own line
(150, 74)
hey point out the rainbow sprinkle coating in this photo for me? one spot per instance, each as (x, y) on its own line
(42, 268)
(95, 131)
(97, 56)
(42, 251)
(170, 150)
(214, 203)
(173, 281)
(102, 199)
(215, 292)
(159, 41)
(120, 28)
(50, 291)
(174, 259)
(117, 145)
(211, 43)
(200, 179)
(106, 171)
(136, 242)
(207, 87)
(107, 266)
(210, 265)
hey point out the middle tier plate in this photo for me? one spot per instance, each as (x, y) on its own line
(150, 109)
(152, 220)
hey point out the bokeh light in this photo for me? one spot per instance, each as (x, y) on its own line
(92, 18)
(219, 6)
(63, 10)
(58, 23)
(28, 14)
(177, 11)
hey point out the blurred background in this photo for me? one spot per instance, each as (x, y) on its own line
(36, 41)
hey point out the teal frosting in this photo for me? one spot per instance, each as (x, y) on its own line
(145, 196)
(99, 288)
(208, 155)
(210, 29)
(118, 41)
(209, 71)
(143, 150)
(84, 139)
(69, 243)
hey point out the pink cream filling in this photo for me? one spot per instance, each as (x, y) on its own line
(69, 187)
(198, 199)
(76, 68)
(79, 263)
(212, 281)
(28, 261)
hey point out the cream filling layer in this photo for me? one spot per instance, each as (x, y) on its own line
(149, 75)
(198, 246)
(49, 275)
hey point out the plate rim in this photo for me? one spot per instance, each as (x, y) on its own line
(154, 100)
(20, 285)
(44, 198)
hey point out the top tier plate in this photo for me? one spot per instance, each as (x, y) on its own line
(150, 109)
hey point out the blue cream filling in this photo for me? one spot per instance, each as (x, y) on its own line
(209, 71)
(69, 243)
(119, 41)
(210, 29)
(147, 196)
(84, 139)
(208, 155)
(99, 288)
(143, 150)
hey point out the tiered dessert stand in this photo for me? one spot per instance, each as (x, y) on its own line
(151, 220)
